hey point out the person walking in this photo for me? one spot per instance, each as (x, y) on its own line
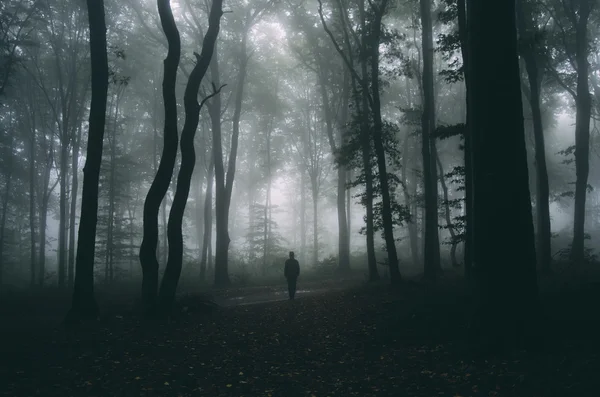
(291, 273)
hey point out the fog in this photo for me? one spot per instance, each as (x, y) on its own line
(287, 91)
(299, 197)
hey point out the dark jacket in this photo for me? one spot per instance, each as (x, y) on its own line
(292, 268)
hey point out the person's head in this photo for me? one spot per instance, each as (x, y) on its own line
(291, 254)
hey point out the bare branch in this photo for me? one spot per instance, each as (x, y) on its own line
(215, 91)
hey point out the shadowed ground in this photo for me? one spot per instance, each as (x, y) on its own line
(350, 342)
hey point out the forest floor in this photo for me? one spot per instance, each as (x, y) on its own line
(356, 341)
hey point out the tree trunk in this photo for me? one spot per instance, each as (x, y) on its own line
(43, 210)
(162, 180)
(62, 223)
(6, 198)
(349, 211)
(412, 226)
(198, 216)
(74, 187)
(583, 103)
(343, 248)
(447, 213)
(111, 197)
(468, 153)
(542, 197)
(172, 273)
(32, 178)
(84, 304)
(506, 283)
(386, 211)
(303, 216)
(207, 237)
(315, 203)
(221, 210)
(431, 255)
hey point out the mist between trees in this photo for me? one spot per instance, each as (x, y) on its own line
(374, 139)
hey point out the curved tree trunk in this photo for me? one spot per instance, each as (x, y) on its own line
(84, 304)
(162, 180)
(188, 159)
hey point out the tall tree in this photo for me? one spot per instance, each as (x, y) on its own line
(162, 180)
(530, 53)
(188, 158)
(84, 304)
(506, 284)
(431, 254)
(571, 18)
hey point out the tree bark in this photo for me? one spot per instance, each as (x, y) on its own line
(343, 248)
(172, 273)
(221, 213)
(207, 237)
(542, 197)
(303, 215)
(73, 211)
(468, 152)
(506, 283)
(62, 222)
(447, 212)
(6, 198)
(431, 255)
(162, 180)
(583, 103)
(386, 211)
(32, 178)
(84, 304)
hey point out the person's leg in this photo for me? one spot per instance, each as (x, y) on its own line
(289, 283)
(293, 288)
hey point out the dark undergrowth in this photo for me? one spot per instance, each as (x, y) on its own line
(363, 341)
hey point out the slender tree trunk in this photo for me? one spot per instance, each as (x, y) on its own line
(206, 239)
(43, 210)
(32, 178)
(544, 253)
(447, 212)
(431, 253)
(5, 200)
(366, 149)
(198, 216)
(221, 210)
(303, 215)
(84, 304)
(468, 152)
(62, 223)
(172, 273)
(583, 103)
(349, 175)
(315, 203)
(412, 226)
(74, 187)
(111, 197)
(162, 180)
(343, 249)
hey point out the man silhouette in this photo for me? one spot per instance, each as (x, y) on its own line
(291, 273)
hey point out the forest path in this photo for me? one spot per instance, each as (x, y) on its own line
(277, 293)
(365, 342)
